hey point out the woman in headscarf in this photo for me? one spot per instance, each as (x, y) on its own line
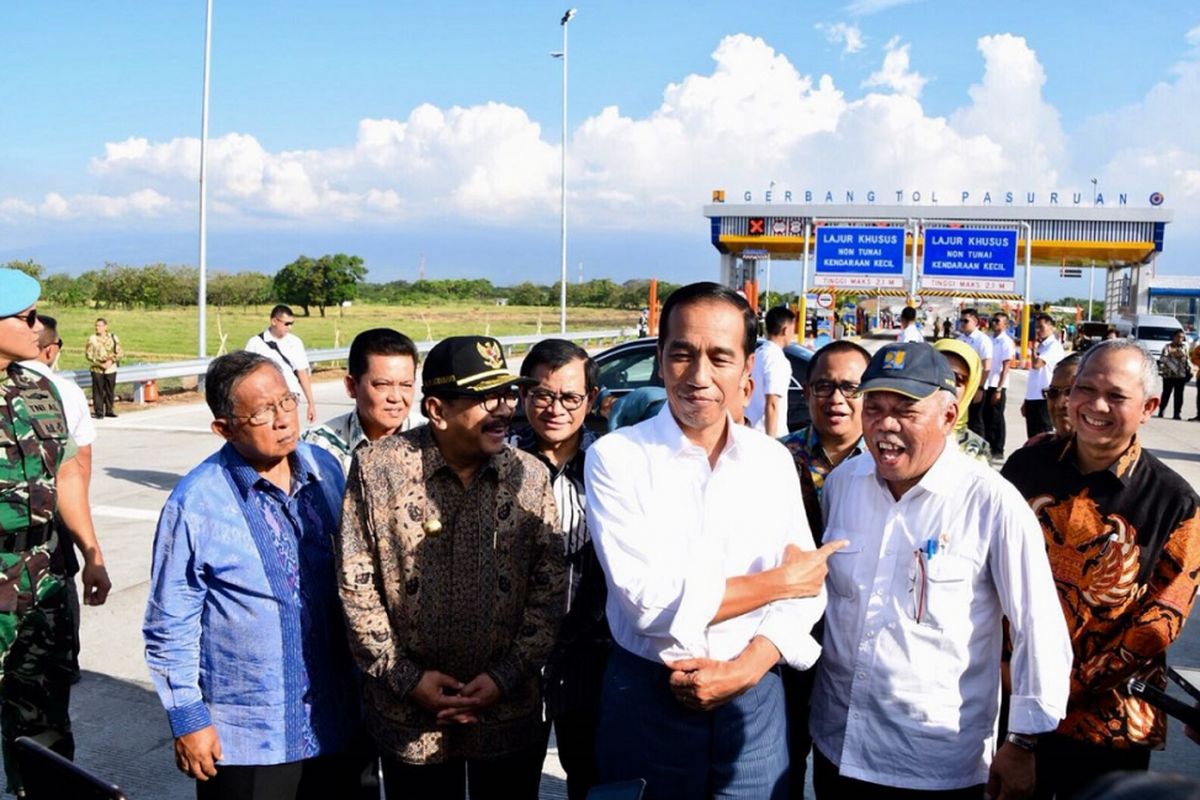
(968, 371)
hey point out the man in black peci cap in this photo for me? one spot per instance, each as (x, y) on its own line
(940, 550)
(454, 585)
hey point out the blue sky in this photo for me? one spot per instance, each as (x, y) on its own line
(459, 159)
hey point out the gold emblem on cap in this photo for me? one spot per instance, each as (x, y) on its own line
(432, 527)
(490, 352)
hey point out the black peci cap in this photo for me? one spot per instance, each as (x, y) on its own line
(466, 366)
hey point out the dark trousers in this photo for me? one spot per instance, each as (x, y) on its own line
(975, 418)
(1066, 766)
(104, 391)
(1037, 418)
(514, 776)
(730, 752)
(994, 428)
(575, 733)
(829, 784)
(797, 692)
(311, 779)
(1172, 386)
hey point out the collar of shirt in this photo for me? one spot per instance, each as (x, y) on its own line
(432, 460)
(246, 478)
(668, 432)
(524, 438)
(1122, 469)
(942, 478)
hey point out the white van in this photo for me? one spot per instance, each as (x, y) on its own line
(1152, 331)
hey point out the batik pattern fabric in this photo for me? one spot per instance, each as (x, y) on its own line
(813, 466)
(465, 580)
(1124, 547)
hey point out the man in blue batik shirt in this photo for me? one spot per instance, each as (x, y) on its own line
(244, 632)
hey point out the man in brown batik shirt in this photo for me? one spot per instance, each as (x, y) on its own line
(453, 584)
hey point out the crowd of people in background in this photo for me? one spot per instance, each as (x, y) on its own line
(693, 600)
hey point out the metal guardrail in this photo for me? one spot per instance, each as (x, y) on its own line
(140, 374)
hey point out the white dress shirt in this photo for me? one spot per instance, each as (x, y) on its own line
(910, 333)
(669, 530)
(1051, 352)
(980, 342)
(75, 405)
(902, 701)
(772, 374)
(291, 346)
(1003, 351)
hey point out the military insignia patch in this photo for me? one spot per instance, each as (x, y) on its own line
(490, 353)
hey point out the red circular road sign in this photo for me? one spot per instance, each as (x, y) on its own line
(825, 300)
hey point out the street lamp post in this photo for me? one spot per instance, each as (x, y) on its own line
(562, 311)
(202, 293)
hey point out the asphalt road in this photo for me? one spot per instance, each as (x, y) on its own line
(121, 729)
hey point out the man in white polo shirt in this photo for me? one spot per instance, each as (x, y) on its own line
(1046, 357)
(285, 348)
(981, 343)
(940, 551)
(995, 388)
(772, 375)
(700, 527)
(909, 330)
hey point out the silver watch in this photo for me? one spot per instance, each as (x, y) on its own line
(1024, 741)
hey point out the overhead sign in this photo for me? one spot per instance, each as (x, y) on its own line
(970, 259)
(859, 257)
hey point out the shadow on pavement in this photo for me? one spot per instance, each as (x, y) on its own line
(149, 478)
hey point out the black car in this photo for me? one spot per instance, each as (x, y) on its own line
(632, 365)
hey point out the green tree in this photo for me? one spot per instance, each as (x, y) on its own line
(30, 268)
(327, 281)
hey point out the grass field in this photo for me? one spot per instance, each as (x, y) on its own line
(170, 334)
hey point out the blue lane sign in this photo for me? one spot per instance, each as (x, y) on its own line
(860, 256)
(974, 254)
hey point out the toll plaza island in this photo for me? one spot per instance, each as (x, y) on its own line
(970, 251)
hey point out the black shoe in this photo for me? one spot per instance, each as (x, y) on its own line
(110, 414)
(97, 416)
(1195, 418)
(1177, 417)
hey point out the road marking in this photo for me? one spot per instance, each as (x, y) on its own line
(121, 512)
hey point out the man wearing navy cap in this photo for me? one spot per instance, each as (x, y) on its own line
(453, 583)
(38, 472)
(940, 550)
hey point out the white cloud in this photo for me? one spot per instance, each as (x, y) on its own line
(895, 73)
(848, 36)
(865, 8)
(142, 203)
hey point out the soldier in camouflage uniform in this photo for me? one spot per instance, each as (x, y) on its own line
(38, 472)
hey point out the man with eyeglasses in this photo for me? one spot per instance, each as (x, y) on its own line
(453, 584)
(556, 408)
(40, 473)
(103, 352)
(833, 436)
(286, 349)
(245, 639)
(981, 343)
(380, 373)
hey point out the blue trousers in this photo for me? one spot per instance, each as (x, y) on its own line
(738, 750)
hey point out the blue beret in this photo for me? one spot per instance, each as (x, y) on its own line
(18, 291)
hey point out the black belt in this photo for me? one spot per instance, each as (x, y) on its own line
(25, 539)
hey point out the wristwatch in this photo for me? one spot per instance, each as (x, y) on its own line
(1025, 741)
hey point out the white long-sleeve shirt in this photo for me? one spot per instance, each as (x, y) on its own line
(908, 687)
(669, 530)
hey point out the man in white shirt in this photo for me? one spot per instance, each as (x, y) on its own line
(909, 330)
(286, 349)
(995, 390)
(772, 375)
(981, 343)
(940, 551)
(699, 525)
(1046, 357)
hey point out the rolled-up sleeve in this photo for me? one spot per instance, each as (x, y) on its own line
(661, 593)
(171, 627)
(372, 639)
(1042, 655)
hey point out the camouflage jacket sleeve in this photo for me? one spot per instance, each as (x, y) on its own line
(545, 603)
(360, 583)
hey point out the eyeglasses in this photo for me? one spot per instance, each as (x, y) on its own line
(542, 398)
(508, 396)
(1052, 393)
(266, 414)
(826, 388)
(29, 317)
